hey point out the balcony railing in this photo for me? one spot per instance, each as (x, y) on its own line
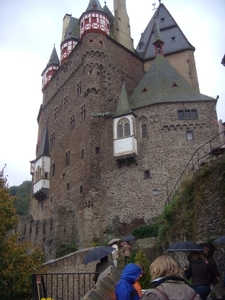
(61, 286)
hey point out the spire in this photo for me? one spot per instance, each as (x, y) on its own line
(123, 107)
(158, 42)
(94, 5)
(43, 149)
(121, 28)
(54, 59)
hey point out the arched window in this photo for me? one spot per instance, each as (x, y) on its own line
(144, 129)
(123, 128)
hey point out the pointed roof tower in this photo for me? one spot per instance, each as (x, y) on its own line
(44, 149)
(94, 5)
(121, 27)
(158, 42)
(123, 107)
(170, 33)
(50, 69)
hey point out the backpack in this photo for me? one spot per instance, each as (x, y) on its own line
(160, 294)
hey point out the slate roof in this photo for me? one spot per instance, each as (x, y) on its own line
(43, 149)
(123, 107)
(92, 4)
(54, 59)
(73, 30)
(170, 33)
(163, 84)
(108, 13)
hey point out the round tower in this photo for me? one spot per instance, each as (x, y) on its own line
(94, 19)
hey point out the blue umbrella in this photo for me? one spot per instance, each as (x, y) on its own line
(185, 246)
(97, 253)
(220, 240)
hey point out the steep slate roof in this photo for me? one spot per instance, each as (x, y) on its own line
(73, 30)
(108, 13)
(169, 29)
(93, 3)
(162, 84)
(54, 59)
(123, 107)
(43, 149)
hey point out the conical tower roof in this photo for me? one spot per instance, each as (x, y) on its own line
(94, 5)
(43, 149)
(170, 33)
(123, 107)
(54, 59)
(163, 84)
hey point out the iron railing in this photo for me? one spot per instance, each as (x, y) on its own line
(203, 154)
(61, 286)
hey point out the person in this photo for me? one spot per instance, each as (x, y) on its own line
(200, 272)
(168, 282)
(124, 288)
(115, 253)
(214, 280)
(137, 285)
(126, 251)
(101, 266)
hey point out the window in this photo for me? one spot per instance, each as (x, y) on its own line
(67, 158)
(72, 122)
(82, 154)
(144, 131)
(147, 174)
(83, 113)
(97, 150)
(65, 102)
(46, 122)
(53, 170)
(189, 135)
(79, 89)
(162, 20)
(53, 140)
(187, 114)
(68, 186)
(173, 38)
(81, 189)
(123, 128)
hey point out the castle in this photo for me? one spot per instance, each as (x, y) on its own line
(116, 127)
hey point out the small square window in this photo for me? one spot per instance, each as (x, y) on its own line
(97, 150)
(147, 174)
(189, 135)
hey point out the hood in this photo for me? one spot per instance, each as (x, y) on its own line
(131, 272)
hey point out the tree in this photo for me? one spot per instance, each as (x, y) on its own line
(18, 261)
(23, 197)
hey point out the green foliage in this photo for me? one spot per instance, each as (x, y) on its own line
(145, 231)
(23, 197)
(18, 261)
(144, 281)
(65, 249)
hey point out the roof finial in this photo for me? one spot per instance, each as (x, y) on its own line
(105, 2)
(154, 4)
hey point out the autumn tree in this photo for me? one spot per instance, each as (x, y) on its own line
(17, 261)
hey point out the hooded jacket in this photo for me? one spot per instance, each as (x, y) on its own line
(170, 288)
(124, 287)
(200, 272)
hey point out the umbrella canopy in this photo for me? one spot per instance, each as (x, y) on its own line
(220, 240)
(97, 253)
(128, 238)
(185, 246)
(210, 246)
(113, 241)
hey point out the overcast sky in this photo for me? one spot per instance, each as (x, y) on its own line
(30, 28)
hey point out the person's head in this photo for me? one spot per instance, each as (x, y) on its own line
(131, 272)
(206, 250)
(142, 269)
(196, 255)
(164, 266)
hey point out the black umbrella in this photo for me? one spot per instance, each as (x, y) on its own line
(97, 253)
(210, 246)
(128, 238)
(185, 246)
(220, 240)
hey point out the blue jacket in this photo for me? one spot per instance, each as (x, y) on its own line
(124, 287)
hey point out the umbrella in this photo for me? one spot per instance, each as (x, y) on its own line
(220, 240)
(210, 246)
(113, 241)
(97, 253)
(185, 246)
(128, 238)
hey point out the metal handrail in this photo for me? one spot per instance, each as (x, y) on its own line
(188, 170)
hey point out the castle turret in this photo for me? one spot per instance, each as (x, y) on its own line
(94, 19)
(158, 42)
(124, 139)
(70, 36)
(121, 28)
(50, 69)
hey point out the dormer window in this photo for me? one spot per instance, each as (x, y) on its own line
(173, 38)
(94, 6)
(162, 20)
